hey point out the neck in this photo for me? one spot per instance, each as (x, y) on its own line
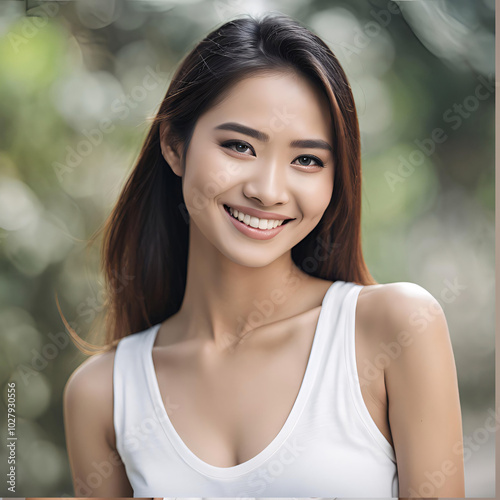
(225, 301)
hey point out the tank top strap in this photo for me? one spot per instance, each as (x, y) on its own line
(338, 391)
(353, 377)
(132, 408)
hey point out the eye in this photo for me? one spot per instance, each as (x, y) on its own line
(242, 147)
(236, 144)
(319, 163)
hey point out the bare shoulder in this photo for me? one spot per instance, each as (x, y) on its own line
(396, 310)
(89, 389)
(92, 377)
(415, 349)
(89, 429)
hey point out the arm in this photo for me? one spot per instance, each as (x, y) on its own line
(96, 467)
(422, 390)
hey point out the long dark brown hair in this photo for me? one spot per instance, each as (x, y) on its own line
(145, 238)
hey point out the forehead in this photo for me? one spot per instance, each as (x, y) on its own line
(279, 103)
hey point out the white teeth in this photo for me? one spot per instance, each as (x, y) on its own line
(255, 221)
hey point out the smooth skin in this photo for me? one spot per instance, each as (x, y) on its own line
(213, 359)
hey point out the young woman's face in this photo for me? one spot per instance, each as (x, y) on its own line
(242, 155)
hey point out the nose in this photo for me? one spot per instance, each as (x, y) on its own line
(268, 185)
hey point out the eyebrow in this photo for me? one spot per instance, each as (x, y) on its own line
(261, 136)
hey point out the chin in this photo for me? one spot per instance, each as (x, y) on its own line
(249, 254)
(251, 259)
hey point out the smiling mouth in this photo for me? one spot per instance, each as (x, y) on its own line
(255, 222)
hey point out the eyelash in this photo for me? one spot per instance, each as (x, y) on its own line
(228, 144)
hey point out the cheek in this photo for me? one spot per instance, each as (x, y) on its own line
(315, 197)
(200, 178)
(209, 174)
(212, 172)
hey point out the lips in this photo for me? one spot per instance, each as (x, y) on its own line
(226, 208)
(255, 233)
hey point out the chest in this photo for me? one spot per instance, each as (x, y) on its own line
(227, 409)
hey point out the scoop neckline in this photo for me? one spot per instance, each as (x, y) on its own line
(305, 388)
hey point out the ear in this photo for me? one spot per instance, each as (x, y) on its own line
(170, 154)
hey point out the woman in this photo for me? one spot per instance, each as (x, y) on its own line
(251, 353)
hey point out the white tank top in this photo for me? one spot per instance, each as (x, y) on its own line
(328, 446)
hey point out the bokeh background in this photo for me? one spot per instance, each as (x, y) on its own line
(74, 111)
